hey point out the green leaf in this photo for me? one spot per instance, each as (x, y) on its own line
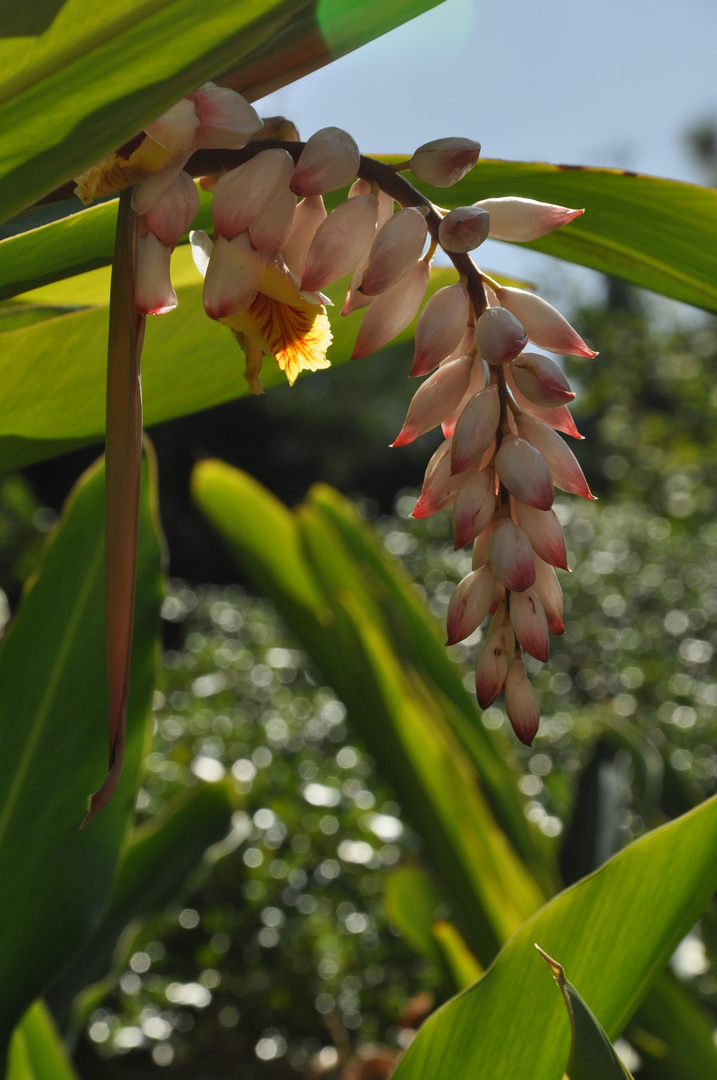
(53, 373)
(659, 234)
(673, 1034)
(411, 904)
(81, 78)
(54, 877)
(154, 866)
(36, 1050)
(512, 1023)
(346, 618)
(592, 1055)
(461, 962)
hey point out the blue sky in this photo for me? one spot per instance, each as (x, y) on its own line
(614, 83)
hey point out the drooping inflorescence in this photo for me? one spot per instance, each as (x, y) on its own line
(500, 403)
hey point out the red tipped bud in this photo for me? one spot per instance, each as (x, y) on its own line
(522, 469)
(444, 162)
(340, 241)
(544, 532)
(563, 465)
(329, 160)
(545, 326)
(464, 228)
(541, 380)
(521, 220)
(521, 704)
(392, 311)
(435, 399)
(153, 292)
(474, 507)
(439, 487)
(226, 120)
(475, 428)
(440, 327)
(244, 194)
(499, 337)
(529, 623)
(469, 605)
(559, 417)
(492, 666)
(511, 557)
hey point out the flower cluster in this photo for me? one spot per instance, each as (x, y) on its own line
(500, 403)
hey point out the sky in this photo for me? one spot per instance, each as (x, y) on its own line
(615, 83)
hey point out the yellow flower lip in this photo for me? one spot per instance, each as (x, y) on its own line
(284, 323)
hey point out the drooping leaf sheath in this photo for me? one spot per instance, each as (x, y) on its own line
(123, 455)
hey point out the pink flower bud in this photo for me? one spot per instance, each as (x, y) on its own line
(444, 162)
(474, 507)
(548, 589)
(233, 276)
(527, 616)
(464, 229)
(173, 213)
(329, 160)
(396, 248)
(308, 215)
(153, 292)
(340, 241)
(499, 336)
(439, 487)
(269, 231)
(521, 704)
(520, 220)
(392, 311)
(476, 384)
(226, 119)
(523, 470)
(469, 604)
(242, 195)
(481, 545)
(566, 472)
(440, 327)
(493, 662)
(544, 532)
(511, 557)
(559, 417)
(435, 399)
(545, 326)
(541, 380)
(475, 428)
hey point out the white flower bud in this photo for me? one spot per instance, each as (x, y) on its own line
(244, 194)
(172, 214)
(308, 215)
(329, 160)
(435, 399)
(464, 228)
(392, 311)
(444, 162)
(511, 556)
(499, 337)
(521, 220)
(523, 470)
(440, 327)
(469, 604)
(396, 248)
(541, 380)
(226, 119)
(340, 241)
(233, 275)
(545, 326)
(566, 472)
(521, 704)
(153, 292)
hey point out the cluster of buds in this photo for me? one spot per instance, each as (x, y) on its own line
(275, 248)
